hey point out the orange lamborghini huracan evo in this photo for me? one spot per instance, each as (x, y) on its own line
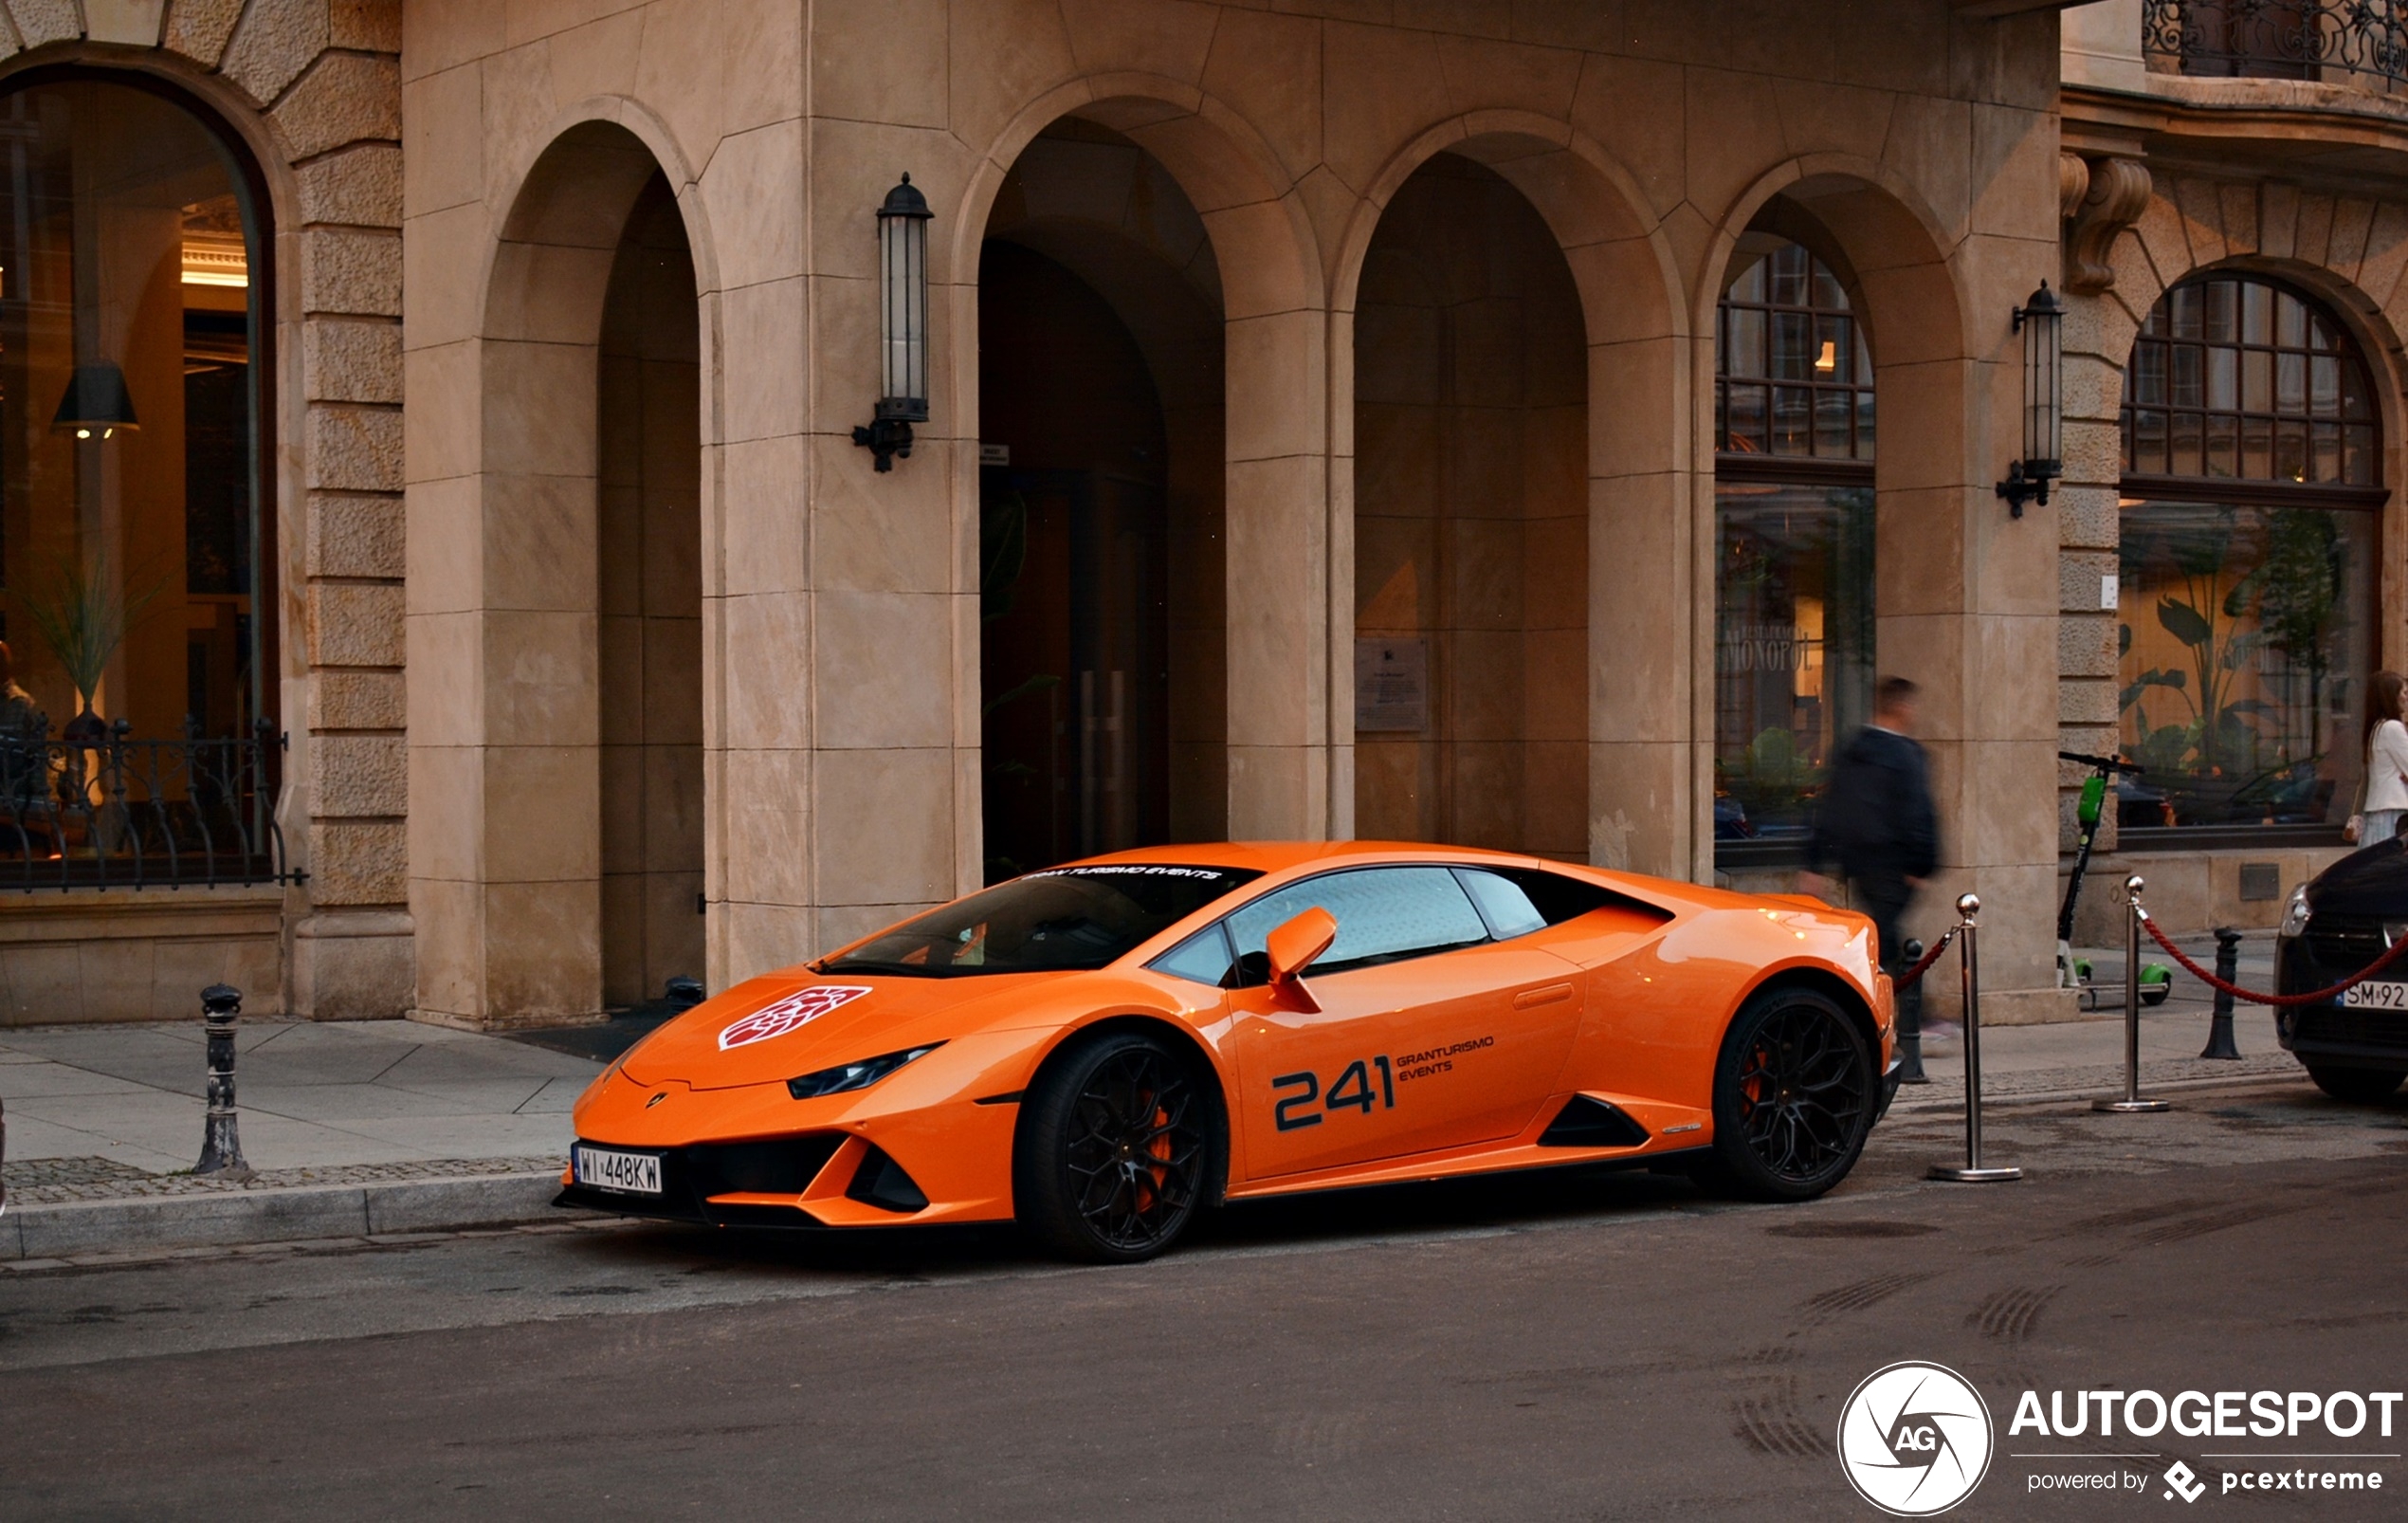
(1100, 1050)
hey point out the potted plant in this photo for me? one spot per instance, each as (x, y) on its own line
(83, 615)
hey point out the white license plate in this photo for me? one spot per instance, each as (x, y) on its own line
(2376, 994)
(636, 1174)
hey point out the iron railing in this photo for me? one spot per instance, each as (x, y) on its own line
(106, 811)
(2358, 42)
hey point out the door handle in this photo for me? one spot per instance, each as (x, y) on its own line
(1530, 999)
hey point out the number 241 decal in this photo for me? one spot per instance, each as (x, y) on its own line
(1351, 1091)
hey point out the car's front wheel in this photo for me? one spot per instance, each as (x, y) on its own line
(1109, 1163)
(1795, 1093)
(2356, 1085)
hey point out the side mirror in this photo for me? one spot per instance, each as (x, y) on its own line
(1293, 946)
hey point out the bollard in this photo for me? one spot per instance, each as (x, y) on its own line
(221, 1149)
(1910, 1022)
(1970, 972)
(2131, 1101)
(2220, 1026)
(682, 993)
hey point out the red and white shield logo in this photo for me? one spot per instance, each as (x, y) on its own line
(793, 1013)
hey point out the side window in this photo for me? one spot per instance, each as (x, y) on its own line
(1384, 914)
(1203, 958)
(1503, 904)
(1555, 898)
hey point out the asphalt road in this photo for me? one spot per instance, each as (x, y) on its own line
(1562, 1347)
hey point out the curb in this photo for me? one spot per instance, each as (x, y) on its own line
(296, 1213)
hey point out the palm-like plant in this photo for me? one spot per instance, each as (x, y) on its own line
(83, 615)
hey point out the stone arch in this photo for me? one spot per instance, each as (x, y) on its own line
(507, 701)
(2107, 345)
(1642, 804)
(1276, 426)
(329, 194)
(1086, 200)
(1965, 593)
(2116, 324)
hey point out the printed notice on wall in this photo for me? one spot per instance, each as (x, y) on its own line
(1392, 685)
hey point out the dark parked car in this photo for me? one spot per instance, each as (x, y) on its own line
(2356, 1047)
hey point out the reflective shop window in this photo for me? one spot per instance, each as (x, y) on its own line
(1794, 545)
(2247, 572)
(131, 536)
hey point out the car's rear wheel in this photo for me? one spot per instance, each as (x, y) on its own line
(2356, 1085)
(1795, 1093)
(1110, 1162)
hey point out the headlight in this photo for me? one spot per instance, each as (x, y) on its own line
(859, 1076)
(2294, 914)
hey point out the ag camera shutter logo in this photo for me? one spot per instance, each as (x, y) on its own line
(1915, 1439)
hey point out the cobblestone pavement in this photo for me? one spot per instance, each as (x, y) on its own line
(52, 1180)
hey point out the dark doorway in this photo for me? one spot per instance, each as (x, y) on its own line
(1074, 569)
(648, 521)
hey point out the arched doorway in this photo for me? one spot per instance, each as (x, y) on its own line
(1471, 522)
(555, 671)
(648, 606)
(1103, 670)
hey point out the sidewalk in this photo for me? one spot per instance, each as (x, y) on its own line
(354, 1128)
(2085, 1057)
(368, 1128)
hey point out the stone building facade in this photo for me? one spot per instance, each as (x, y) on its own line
(2210, 149)
(312, 93)
(1338, 423)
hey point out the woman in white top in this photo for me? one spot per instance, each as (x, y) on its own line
(2386, 760)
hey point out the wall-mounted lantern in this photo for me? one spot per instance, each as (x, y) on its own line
(2041, 320)
(96, 403)
(902, 324)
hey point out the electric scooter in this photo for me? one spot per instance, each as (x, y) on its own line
(2157, 979)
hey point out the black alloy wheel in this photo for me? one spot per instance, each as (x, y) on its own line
(1109, 1164)
(2356, 1085)
(1795, 1095)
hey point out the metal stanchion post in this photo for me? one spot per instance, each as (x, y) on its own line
(2131, 1100)
(2228, 967)
(1969, 970)
(221, 1149)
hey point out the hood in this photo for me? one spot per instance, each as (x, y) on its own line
(782, 1025)
(2371, 882)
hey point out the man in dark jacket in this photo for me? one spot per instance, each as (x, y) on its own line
(1876, 824)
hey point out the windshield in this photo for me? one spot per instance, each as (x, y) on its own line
(1065, 919)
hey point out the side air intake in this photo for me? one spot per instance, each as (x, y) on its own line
(881, 1182)
(1586, 1123)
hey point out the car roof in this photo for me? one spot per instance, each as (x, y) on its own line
(1277, 856)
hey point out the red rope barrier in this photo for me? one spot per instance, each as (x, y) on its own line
(1906, 981)
(2399, 948)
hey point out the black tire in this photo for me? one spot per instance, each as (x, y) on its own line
(1795, 1095)
(1113, 1151)
(2356, 1085)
